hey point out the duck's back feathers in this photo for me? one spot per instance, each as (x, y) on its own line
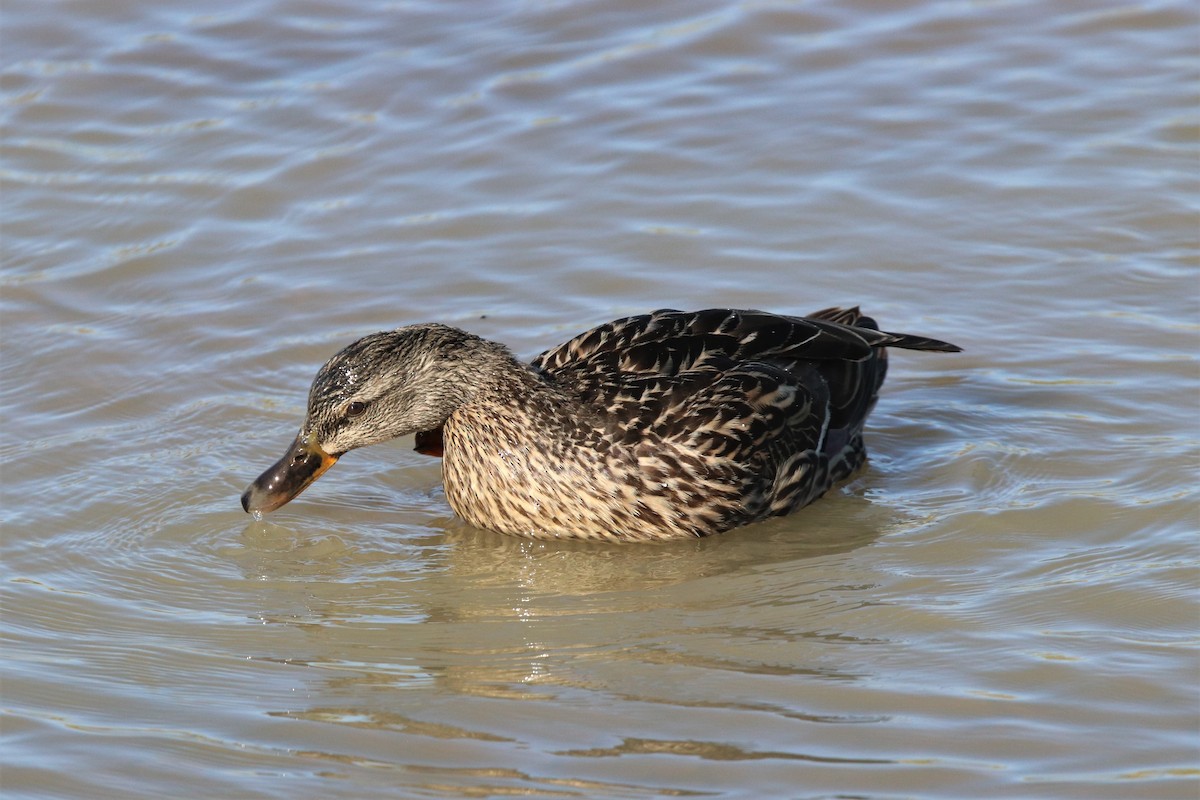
(667, 342)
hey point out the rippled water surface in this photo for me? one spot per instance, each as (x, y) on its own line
(200, 206)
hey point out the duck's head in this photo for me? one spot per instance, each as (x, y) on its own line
(384, 385)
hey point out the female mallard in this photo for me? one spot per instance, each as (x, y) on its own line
(661, 426)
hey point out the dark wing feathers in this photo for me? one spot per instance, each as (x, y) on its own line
(753, 408)
(729, 379)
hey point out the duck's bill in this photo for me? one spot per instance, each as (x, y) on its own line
(303, 463)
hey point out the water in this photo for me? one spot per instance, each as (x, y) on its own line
(200, 208)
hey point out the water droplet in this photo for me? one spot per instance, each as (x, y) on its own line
(258, 515)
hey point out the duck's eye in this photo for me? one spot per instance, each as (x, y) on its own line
(355, 408)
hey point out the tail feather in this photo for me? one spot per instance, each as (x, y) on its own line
(854, 318)
(910, 342)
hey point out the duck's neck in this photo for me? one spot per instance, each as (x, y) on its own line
(507, 381)
(490, 368)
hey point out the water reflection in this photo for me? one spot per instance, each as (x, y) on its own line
(473, 617)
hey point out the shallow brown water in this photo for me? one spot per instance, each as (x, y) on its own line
(199, 208)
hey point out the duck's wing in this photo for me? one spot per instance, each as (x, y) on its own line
(647, 369)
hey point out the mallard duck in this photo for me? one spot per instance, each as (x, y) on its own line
(666, 425)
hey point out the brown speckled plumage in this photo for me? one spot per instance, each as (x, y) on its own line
(659, 426)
